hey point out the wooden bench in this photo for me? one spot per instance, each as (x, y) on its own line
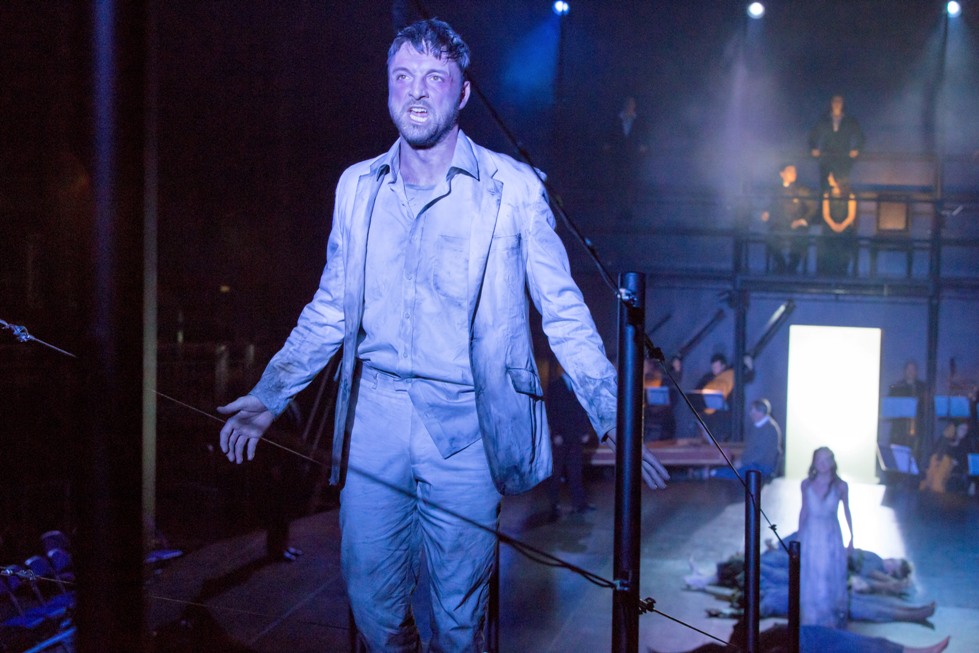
(686, 452)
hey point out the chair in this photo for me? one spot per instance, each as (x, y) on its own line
(28, 625)
(64, 640)
(55, 540)
(57, 602)
(62, 563)
(27, 614)
(17, 617)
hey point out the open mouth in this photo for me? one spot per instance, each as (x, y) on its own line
(418, 114)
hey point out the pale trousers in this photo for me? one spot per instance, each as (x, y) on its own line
(391, 509)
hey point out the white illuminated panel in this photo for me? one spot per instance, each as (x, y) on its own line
(834, 381)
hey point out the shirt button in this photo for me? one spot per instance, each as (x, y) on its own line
(409, 277)
(407, 315)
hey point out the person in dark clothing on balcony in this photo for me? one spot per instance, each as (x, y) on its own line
(788, 218)
(835, 142)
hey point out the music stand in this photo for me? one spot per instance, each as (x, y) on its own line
(899, 407)
(951, 407)
(711, 399)
(973, 464)
(904, 461)
(658, 396)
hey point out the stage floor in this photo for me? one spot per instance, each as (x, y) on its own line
(231, 599)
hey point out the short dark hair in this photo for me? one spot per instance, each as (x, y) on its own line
(842, 180)
(903, 570)
(719, 358)
(435, 37)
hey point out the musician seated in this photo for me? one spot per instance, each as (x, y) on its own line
(762, 445)
(948, 464)
(719, 382)
(659, 418)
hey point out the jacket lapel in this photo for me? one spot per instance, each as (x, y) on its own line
(368, 186)
(489, 193)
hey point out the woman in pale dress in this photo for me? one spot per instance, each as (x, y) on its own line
(823, 575)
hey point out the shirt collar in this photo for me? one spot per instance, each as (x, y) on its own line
(760, 423)
(463, 160)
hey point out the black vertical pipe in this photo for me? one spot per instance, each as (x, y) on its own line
(493, 610)
(736, 414)
(628, 460)
(795, 563)
(108, 473)
(752, 559)
(150, 274)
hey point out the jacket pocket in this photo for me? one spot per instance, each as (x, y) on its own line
(525, 382)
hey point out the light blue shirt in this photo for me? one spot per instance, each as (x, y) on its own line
(415, 322)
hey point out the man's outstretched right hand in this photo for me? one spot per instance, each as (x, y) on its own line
(248, 422)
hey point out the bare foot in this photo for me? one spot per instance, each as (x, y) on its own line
(935, 648)
(918, 613)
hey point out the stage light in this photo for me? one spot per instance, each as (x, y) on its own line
(561, 7)
(953, 8)
(756, 10)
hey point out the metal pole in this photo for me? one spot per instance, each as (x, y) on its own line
(150, 279)
(795, 561)
(752, 559)
(108, 500)
(628, 460)
(736, 416)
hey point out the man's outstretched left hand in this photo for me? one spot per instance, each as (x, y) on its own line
(653, 472)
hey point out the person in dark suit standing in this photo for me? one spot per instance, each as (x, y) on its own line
(905, 431)
(625, 148)
(835, 142)
(570, 429)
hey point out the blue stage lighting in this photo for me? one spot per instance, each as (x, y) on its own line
(756, 10)
(561, 7)
(953, 8)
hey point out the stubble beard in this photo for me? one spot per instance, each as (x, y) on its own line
(427, 135)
